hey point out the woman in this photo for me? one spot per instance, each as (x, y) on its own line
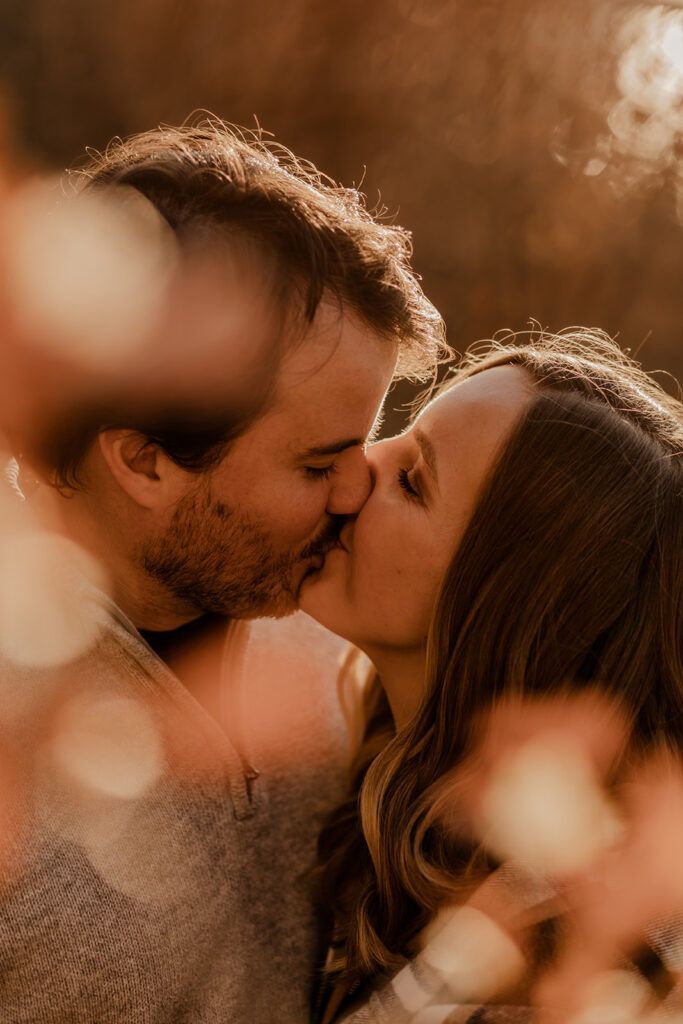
(524, 536)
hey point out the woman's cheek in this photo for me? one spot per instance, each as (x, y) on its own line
(389, 579)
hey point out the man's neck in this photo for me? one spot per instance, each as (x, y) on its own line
(194, 652)
(147, 605)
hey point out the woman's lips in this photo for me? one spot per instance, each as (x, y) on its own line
(317, 561)
(315, 564)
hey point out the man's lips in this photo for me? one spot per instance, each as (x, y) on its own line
(317, 561)
(326, 540)
(331, 538)
(313, 565)
(338, 545)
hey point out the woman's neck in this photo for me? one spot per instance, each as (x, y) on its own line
(402, 673)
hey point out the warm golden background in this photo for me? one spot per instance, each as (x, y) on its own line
(533, 147)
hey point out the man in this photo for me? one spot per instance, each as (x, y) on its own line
(154, 874)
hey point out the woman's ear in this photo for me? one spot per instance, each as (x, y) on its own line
(141, 468)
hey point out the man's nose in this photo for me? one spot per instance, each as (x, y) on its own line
(351, 484)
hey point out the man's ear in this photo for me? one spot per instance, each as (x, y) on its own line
(141, 468)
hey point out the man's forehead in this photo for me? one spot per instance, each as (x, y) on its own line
(329, 390)
(333, 445)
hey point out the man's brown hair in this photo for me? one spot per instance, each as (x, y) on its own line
(214, 176)
(214, 183)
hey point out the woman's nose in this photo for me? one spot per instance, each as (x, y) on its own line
(351, 484)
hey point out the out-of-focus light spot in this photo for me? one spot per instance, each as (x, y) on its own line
(646, 123)
(594, 167)
(574, 145)
(650, 70)
(89, 274)
(646, 137)
(108, 744)
(476, 958)
(142, 854)
(134, 845)
(613, 997)
(642, 143)
(544, 808)
(46, 617)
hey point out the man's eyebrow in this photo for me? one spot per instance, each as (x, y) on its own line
(428, 453)
(318, 451)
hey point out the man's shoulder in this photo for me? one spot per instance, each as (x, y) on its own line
(88, 650)
(297, 639)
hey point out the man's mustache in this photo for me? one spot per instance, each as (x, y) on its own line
(327, 539)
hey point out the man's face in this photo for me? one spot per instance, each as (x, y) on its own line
(245, 534)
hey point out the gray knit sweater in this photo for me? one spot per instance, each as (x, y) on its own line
(147, 876)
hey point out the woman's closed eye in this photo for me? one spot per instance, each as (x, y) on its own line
(406, 485)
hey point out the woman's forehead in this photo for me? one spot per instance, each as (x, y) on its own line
(497, 390)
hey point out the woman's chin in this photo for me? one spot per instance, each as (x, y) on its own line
(316, 574)
(311, 590)
(320, 596)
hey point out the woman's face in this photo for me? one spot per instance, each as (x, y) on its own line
(378, 587)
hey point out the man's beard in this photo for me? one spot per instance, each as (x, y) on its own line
(221, 560)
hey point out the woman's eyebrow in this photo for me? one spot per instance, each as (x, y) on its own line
(428, 453)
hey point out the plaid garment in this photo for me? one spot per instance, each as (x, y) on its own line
(387, 1007)
(465, 959)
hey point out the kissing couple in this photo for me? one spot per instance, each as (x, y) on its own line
(194, 837)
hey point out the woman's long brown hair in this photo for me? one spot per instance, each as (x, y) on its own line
(571, 568)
